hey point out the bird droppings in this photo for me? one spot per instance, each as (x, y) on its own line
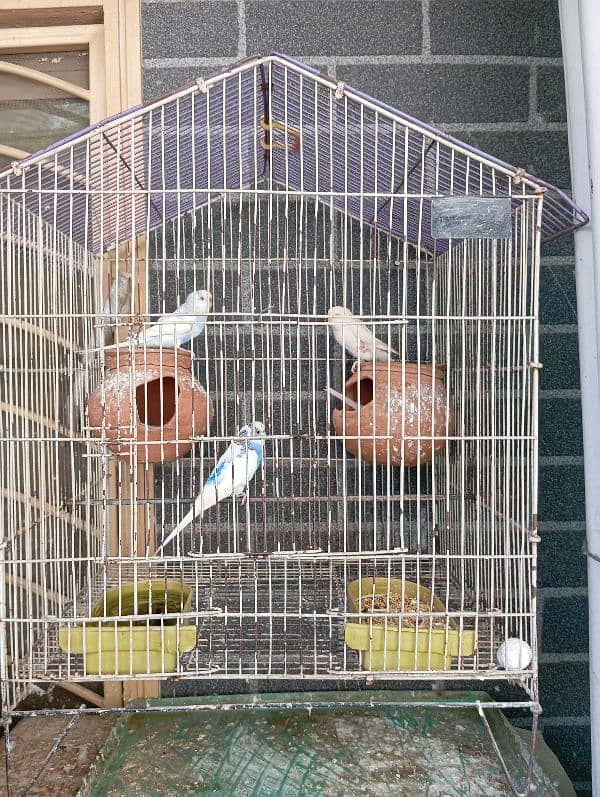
(118, 385)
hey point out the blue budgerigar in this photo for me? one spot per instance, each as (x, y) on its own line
(179, 327)
(230, 477)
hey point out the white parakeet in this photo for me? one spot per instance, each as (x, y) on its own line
(117, 301)
(179, 327)
(354, 336)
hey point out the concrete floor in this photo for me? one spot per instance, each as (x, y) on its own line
(30, 742)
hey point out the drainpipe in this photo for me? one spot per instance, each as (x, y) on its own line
(580, 23)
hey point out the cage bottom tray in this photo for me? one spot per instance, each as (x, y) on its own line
(348, 743)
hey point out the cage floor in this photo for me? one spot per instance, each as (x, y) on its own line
(270, 619)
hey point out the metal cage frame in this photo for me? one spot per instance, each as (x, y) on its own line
(283, 192)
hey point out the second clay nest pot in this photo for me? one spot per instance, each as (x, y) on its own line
(397, 402)
(149, 404)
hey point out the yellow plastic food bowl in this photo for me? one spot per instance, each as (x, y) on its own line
(119, 648)
(385, 647)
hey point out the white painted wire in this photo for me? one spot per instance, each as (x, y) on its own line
(270, 592)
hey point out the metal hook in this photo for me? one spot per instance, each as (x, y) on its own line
(290, 133)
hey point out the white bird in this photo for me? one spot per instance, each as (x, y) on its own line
(116, 302)
(353, 335)
(175, 329)
(230, 477)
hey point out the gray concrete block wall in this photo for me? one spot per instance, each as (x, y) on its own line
(329, 28)
(489, 72)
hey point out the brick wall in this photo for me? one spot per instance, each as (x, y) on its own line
(488, 71)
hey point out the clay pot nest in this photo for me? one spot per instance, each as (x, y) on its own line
(403, 414)
(148, 404)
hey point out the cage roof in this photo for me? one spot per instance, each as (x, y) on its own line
(264, 117)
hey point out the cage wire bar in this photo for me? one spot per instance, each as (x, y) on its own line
(284, 193)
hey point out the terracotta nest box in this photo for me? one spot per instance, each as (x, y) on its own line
(383, 400)
(149, 404)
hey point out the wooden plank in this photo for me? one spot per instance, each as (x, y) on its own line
(98, 75)
(23, 583)
(132, 531)
(145, 537)
(115, 101)
(113, 694)
(48, 423)
(131, 53)
(140, 689)
(23, 17)
(58, 37)
(139, 527)
(83, 692)
(13, 152)
(57, 5)
(108, 266)
(123, 53)
(49, 13)
(40, 332)
(50, 509)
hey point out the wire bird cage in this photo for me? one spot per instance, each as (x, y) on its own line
(390, 531)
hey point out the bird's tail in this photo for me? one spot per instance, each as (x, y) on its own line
(82, 373)
(206, 499)
(384, 349)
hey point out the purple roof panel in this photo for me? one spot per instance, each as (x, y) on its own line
(133, 172)
(358, 152)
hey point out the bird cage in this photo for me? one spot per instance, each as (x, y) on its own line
(323, 468)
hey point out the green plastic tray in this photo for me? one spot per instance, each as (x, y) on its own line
(278, 746)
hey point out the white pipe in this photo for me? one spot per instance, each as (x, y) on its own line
(579, 28)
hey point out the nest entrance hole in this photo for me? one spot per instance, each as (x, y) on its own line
(361, 391)
(156, 401)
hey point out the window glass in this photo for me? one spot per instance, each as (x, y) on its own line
(32, 114)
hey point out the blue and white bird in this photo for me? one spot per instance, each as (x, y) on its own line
(230, 477)
(175, 329)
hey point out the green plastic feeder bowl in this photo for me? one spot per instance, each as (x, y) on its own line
(138, 646)
(387, 648)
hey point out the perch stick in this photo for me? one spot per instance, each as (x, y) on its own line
(343, 398)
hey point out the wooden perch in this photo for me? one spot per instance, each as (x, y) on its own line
(343, 398)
